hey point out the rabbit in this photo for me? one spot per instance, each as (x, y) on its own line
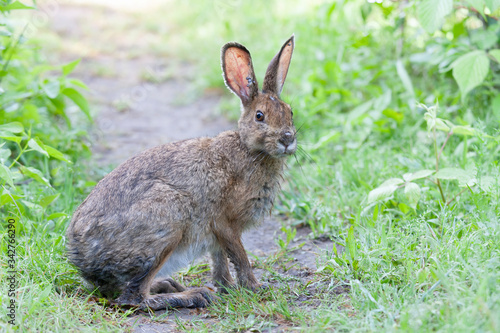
(161, 209)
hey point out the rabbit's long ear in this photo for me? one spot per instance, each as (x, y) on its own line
(238, 72)
(278, 68)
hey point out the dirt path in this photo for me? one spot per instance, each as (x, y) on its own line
(140, 106)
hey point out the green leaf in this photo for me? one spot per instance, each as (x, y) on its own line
(470, 70)
(56, 215)
(6, 175)
(451, 173)
(351, 243)
(385, 190)
(10, 136)
(417, 175)
(13, 6)
(477, 5)
(68, 68)
(495, 53)
(78, 83)
(396, 115)
(405, 78)
(52, 88)
(464, 177)
(14, 127)
(484, 39)
(412, 192)
(56, 154)
(47, 200)
(431, 13)
(392, 181)
(463, 130)
(78, 99)
(5, 155)
(35, 174)
(35, 146)
(492, 4)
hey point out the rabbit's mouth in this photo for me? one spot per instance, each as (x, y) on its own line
(286, 148)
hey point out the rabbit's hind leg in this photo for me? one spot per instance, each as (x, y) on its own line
(166, 286)
(190, 298)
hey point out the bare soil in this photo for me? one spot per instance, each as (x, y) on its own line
(141, 101)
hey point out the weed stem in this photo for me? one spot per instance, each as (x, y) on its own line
(438, 183)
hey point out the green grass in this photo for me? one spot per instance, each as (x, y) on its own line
(434, 267)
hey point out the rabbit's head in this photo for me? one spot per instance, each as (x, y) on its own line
(266, 123)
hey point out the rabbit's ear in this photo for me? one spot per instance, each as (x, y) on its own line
(278, 68)
(238, 72)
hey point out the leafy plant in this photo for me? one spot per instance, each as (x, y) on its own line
(471, 37)
(466, 178)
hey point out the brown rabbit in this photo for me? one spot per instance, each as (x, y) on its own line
(167, 206)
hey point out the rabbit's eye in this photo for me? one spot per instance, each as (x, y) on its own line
(259, 116)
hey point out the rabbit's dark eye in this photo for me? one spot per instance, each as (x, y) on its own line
(259, 116)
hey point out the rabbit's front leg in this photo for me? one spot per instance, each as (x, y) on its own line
(231, 243)
(222, 276)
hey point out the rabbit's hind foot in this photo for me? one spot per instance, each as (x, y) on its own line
(166, 286)
(190, 298)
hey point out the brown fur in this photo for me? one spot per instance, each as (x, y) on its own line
(170, 204)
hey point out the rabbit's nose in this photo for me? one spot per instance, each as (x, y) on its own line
(287, 139)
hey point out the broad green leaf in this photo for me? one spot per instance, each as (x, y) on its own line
(417, 175)
(56, 154)
(4, 155)
(35, 146)
(484, 39)
(431, 13)
(381, 193)
(10, 136)
(464, 177)
(412, 192)
(47, 200)
(13, 6)
(392, 181)
(492, 4)
(470, 70)
(14, 127)
(351, 243)
(477, 5)
(68, 68)
(6, 175)
(78, 99)
(52, 88)
(495, 53)
(451, 173)
(463, 130)
(405, 78)
(35, 174)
